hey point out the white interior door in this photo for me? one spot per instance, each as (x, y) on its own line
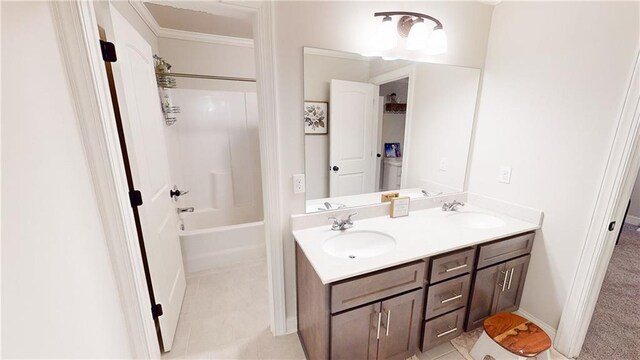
(352, 133)
(143, 125)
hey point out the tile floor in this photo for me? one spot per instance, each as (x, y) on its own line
(225, 315)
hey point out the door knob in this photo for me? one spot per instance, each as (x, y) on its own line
(175, 192)
(378, 155)
(335, 168)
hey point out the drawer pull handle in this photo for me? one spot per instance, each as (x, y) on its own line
(388, 320)
(510, 278)
(456, 268)
(378, 331)
(451, 299)
(447, 332)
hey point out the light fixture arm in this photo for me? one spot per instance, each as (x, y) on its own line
(413, 14)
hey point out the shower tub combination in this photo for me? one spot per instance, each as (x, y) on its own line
(209, 241)
(214, 153)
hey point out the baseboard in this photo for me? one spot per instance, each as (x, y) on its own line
(292, 324)
(633, 220)
(550, 330)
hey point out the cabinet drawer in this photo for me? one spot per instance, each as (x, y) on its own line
(451, 265)
(442, 329)
(367, 288)
(447, 296)
(505, 249)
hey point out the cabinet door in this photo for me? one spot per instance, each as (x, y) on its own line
(354, 333)
(400, 330)
(516, 272)
(487, 286)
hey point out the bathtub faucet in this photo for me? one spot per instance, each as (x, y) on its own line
(187, 209)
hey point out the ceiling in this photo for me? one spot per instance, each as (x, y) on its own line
(199, 21)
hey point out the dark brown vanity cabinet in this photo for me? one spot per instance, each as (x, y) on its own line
(372, 316)
(386, 314)
(498, 286)
(385, 330)
(447, 296)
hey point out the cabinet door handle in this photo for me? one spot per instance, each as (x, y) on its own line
(456, 268)
(378, 331)
(451, 299)
(388, 321)
(504, 281)
(447, 332)
(510, 278)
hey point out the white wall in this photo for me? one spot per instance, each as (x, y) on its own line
(554, 83)
(194, 57)
(633, 217)
(59, 297)
(340, 26)
(441, 126)
(318, 72)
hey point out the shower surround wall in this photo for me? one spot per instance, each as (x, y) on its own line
(214, 153)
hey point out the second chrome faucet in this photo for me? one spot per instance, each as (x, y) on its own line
(342, 224)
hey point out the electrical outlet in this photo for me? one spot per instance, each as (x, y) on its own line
(443, 164)
(298, 184)
(505, 174)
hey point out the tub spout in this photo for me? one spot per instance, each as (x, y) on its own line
(187, 209)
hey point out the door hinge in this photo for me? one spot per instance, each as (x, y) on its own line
(135, 197)
(612, 225)
(156, 310)
(108, 51)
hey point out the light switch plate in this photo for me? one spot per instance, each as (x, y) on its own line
(298, 184)
(443, 164)
(505, 174)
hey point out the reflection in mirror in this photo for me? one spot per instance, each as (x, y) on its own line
(373, 126)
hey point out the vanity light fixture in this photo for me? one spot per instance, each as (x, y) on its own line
(412, 26)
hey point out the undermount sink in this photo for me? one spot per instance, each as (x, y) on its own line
(475, 220)
(359, 244)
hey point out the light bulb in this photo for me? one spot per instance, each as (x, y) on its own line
(418, 36)
(386, 37)
(437, 42)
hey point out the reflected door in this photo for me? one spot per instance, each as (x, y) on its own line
(352, 131)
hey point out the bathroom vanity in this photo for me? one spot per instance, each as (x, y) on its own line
(445, 273)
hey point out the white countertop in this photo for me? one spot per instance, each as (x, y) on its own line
(422, 234)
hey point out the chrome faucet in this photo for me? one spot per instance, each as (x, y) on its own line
(342, 224)
(183, 210)
(452, 206)
(426, 193)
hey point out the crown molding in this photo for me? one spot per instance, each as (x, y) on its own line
(202, 37)
(336, 54)
(146, 16)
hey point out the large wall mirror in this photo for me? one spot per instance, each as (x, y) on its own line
(374, 125)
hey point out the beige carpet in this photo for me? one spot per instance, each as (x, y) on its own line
(614, 332)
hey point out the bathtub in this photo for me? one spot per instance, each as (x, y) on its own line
(209, 242)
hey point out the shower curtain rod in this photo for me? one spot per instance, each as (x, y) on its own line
(211, 77)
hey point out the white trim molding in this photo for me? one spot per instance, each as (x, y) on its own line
(632, 220)
(146, 16)
(166, 33)
(615, 191)
(77, 31)
(202, 37)
(336, 54)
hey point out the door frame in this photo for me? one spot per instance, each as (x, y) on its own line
(401, 73)
(615, 190)
(77, 32)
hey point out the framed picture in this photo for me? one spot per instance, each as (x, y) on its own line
(392, 150)
(316, 117)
